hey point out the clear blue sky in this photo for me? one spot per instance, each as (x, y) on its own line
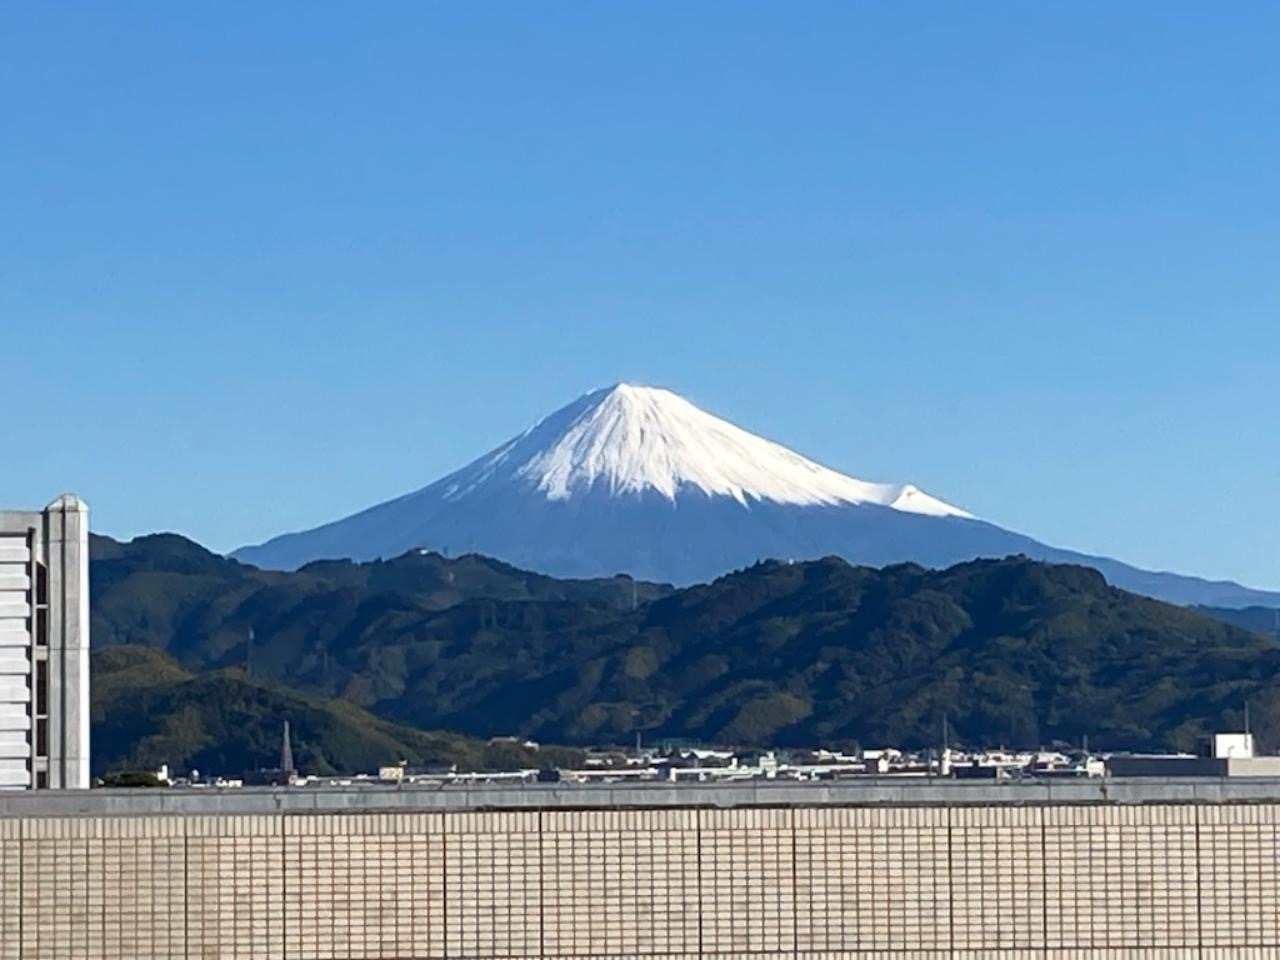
(264, 264)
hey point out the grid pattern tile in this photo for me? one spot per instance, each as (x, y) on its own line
(620, 883)
(235, 888)
(866, 877)
(1239, 899)
(747, 881)
(99, 888)
(1121, 877)
(364, 886)
(997, 878)
(11, 904)
(492, 865)
(140, 889)
(1087, 882)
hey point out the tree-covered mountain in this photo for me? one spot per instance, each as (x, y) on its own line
(169, 592)
(147, 710)
(1012, 650)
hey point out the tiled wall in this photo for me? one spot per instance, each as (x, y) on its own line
(922, 883)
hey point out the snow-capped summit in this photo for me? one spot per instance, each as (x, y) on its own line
(638, 480)
(630, 439)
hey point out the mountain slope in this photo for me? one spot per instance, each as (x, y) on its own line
(147, 710)
(166, 591)
(638, 480)
(1011, 650)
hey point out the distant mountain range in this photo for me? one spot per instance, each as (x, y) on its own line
(1265, 620)
(361, 657)
(637, 480)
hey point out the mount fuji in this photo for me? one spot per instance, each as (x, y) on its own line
(638, 480)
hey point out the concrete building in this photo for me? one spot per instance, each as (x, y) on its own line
(1072, 870)
(1226, 755)
(44, 647)
(1232, 746)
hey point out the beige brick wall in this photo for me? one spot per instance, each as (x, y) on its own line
(96, 887)
(363, 885)
(619, 883)
(907, 883)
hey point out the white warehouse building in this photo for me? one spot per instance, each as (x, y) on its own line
(44, 646)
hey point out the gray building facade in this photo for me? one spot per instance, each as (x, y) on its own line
(44, 647)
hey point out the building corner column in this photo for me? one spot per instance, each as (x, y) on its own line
(67, 546)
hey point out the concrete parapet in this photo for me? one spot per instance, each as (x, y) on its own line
(372, 799)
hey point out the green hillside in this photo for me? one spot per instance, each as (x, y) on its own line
(1011, 651)
(168, 592)
(147, 710)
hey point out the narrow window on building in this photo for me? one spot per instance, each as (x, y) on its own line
(42, 737)
(42, 585)
(42, 779)
(42, 688)
(42, 627)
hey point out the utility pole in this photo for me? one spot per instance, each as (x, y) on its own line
(248, 654)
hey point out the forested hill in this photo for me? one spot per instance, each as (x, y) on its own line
(167, 591)
(147, 710)
(1011, 651)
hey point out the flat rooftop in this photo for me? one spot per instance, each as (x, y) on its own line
(378, 798)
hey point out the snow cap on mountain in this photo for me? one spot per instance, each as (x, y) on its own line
(629, 439)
